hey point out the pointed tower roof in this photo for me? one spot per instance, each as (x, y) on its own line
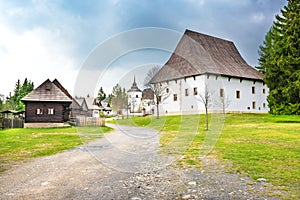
(134, 87)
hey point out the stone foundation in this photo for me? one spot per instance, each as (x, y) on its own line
(44, 125)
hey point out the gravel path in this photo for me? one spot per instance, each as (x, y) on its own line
(124, 165)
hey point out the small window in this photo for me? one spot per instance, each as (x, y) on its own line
(136, 96)
(39, 111)
(195, 91)
(238, 94)
(253, 105)
(159, 99)
(186, 92)
(50, 111)
(175, 97)
(253, 90)
(264, 91)
(221, 92)
(167, 90)
(264, 105)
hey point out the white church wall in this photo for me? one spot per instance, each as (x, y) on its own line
(134, 101)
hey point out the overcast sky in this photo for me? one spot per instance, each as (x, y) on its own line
(42, 39)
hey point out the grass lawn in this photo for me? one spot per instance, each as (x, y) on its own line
(22, 143)
(257, 145)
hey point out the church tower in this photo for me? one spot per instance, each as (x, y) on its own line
(134, 97)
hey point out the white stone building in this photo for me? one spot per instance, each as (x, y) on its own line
(134, 98)
(204, 63)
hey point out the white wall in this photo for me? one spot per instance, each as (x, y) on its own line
(134, 101)
(193, 104)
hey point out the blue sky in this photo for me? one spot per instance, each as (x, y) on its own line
(52, 39)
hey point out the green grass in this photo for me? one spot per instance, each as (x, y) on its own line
(256, 145)
(19, 144)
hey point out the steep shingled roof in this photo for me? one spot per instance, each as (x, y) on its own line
(48, 91)
(197, 53)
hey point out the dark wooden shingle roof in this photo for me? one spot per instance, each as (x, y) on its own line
(197, 53)
(49, 91)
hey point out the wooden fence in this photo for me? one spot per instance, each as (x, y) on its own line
(90, 121)
(11, 123)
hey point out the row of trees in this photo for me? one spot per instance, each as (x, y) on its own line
(280, 61)
(13, 102)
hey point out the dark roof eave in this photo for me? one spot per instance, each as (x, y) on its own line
(45, 100)
(223, 75)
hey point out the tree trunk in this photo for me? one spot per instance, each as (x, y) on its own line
(157, 111)
(206, 118)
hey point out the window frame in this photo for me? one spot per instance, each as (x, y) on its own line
(51, 111)
(238, 94)
(175, 97)
(195, 91)
(39, 111)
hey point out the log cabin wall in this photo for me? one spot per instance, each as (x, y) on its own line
(45, 112)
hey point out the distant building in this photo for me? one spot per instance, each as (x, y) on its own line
(134, 98)
(148, 102)
(204, 63)
(140, 101)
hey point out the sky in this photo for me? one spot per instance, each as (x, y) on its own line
(89, 44)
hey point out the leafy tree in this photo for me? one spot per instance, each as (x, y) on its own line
(1, 104)
(280, 59)
(101, 95)
(118, 99)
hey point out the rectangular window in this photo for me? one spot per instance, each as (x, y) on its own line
(238, 94)
(159, 99)
(195, 91)
(253, 105)
(264, 91)
(186, 92)
(221, 92)
(175, 97)
(39, 111)
(253, 90)
(167, 90)
(50, 111)
(264, 105)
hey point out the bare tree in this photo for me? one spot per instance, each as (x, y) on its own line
(159, 89)
(223, 103)
(205, 98)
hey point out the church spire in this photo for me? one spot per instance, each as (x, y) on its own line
(134, 86)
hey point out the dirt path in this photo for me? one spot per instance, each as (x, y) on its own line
(122, 165)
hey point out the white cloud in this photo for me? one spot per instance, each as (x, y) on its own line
(35, 54)
(258, 18)
(15, 12)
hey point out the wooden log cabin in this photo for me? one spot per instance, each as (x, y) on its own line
(47, 106)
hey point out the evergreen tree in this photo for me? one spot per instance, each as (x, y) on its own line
(280, 60)
(21, 90)
(101, 95)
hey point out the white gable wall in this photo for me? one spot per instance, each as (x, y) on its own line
(192, 103)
